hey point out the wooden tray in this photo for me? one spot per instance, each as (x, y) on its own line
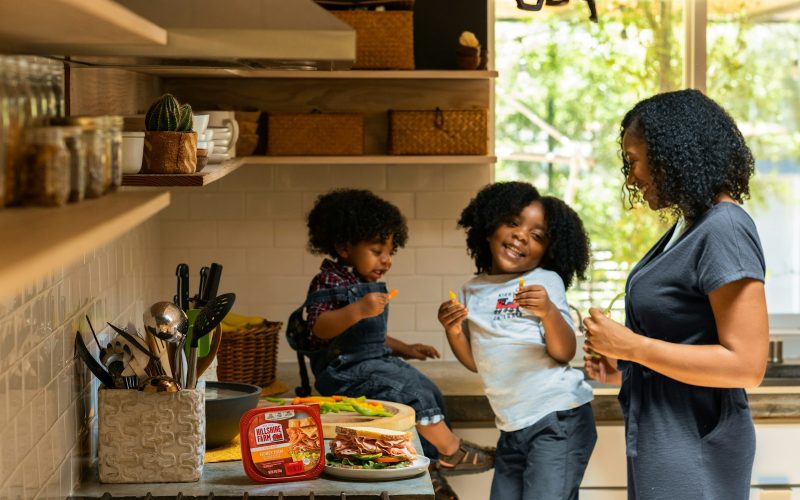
(403, 419)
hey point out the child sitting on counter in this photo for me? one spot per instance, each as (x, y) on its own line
(347, 323)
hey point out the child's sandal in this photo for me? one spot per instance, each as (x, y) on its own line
(441, 488)
(469, 458)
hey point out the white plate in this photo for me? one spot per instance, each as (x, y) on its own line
(419, 466)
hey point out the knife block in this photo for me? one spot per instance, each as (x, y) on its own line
(151, 437)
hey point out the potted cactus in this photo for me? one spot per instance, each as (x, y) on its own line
(170, 145)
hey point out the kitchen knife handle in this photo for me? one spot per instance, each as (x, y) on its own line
(214, 274)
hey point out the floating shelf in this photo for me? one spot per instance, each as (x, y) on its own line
(208, 175)
(28, 24)
(47, 238)
(370, 160)
(179, 72)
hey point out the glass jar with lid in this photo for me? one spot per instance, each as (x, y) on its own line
(98, 156)
(73, 137)
(45, 172)
(114, 138)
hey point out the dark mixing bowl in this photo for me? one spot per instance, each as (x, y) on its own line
(226, 402)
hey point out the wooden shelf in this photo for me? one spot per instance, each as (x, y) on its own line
(46, 238)
(205, 177)
(181, 72)
(28, 24)
(370, 160)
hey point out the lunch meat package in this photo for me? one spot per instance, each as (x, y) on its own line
(282, 443)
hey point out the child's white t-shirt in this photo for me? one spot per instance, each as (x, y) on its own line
(522, 382)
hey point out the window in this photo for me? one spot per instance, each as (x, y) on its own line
(565, 83)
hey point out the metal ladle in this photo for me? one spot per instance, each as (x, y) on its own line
(168, 322)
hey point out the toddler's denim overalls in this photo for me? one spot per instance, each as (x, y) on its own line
(358, 363)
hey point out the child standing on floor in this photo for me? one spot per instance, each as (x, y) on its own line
(513, 326)
(347, 317)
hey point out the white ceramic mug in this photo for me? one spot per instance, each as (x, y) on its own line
(226, 119)
(132, 149)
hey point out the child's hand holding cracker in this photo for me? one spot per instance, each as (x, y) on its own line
(372, 304)
(534, 299)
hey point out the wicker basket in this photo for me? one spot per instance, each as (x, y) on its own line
(249, 355)
(384, 39)
(438, 132)
(315, 134)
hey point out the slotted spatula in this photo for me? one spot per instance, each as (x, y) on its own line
(210, 316)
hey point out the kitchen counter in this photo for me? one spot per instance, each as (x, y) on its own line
(227, 480)
(777, 398)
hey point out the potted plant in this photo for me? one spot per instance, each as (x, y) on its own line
(170, 145)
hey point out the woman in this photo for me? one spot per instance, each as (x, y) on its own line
(696, 329)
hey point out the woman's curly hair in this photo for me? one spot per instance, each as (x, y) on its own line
(568, 251)
(353, 216)
(695, 151)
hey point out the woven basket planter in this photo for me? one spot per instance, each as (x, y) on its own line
(169, 153)
(315, 134)
(384, 39)
(438, 132)
(249, 355)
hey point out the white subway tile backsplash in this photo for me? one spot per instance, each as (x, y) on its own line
(401, 316)
(263, 206)
(417, 289)
(442, 261)
(466, 177)
(247, 178)
(402, 263)
(303, 177)
(371, 177)
(274, 261)
(183, 234)
(38, 386)
(441, 205)
(403, 201)
(415, 178)
(427, 316)
(291, 233)
(424, 233)
(248, 233)
(452, 235)
(216, 206)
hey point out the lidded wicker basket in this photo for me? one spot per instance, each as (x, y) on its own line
(249, 355)
(439, 132)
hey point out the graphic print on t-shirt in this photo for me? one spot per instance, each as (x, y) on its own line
(505, 307)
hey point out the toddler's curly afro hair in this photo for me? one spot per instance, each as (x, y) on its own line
(695, 151)
(568, 251)
(353, 216)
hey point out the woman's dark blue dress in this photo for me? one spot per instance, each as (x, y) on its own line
(687, 442)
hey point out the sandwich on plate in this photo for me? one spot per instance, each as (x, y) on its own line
(371, 448)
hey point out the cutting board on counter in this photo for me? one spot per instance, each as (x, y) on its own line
(403, 418)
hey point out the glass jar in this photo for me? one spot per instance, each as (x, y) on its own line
(45, 173)
(97, 173)
(114, 124)
(73, 137)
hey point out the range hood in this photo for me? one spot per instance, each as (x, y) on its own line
(265, 34)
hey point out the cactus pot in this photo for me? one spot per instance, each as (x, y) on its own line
(169, 153)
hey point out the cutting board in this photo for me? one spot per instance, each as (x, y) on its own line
(403, 418)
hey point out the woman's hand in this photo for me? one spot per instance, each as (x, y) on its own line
(372, 304)
(601, 368)
(534, 298)
(451, 315)
(606, 336)
(419, 351)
